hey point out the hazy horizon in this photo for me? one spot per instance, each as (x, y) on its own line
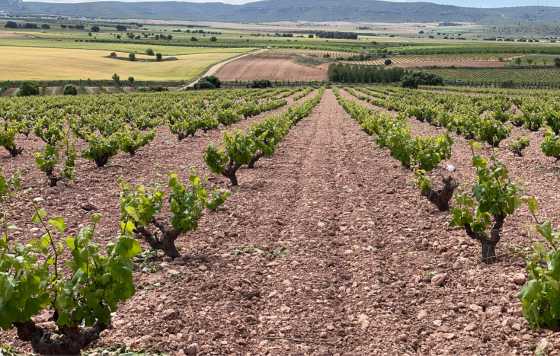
(467, 3)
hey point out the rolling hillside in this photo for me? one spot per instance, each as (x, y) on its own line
(287, 10)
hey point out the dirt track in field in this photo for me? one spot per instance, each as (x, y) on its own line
(272, 68)
(326, 248)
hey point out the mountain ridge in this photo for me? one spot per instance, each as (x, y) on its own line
(287, 10)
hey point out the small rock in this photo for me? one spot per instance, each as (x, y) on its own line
(192, 350)
(519, 279)
(363, 319)
(516, 326)
(330, 326)
(475, 308)
(402, 338)
(470, 327)
(439, 279)
(173, 272)
(89, 207)
(170, 314)
(494, 311)
(543, 347)
(449, 336)
(421, 314)
(437, 322)
(202, 267)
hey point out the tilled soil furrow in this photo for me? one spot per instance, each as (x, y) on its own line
(476, 309)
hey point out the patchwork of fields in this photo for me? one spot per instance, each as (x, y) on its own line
(33, 63)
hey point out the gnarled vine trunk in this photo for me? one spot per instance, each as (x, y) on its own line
(14, 151)
(69, 341)
(254, 160)
(488, 242)
(442, 197)
(231, 173)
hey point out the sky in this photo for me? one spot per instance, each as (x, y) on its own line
(467, 3)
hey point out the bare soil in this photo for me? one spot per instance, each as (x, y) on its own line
(325, 248)
(283, 68)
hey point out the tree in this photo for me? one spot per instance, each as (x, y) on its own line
(70, 89)
(116, 79)
(150, 52)
(388, 62)
(557, 62)
(213, 39)
(131, 80)
(28, 89)
(45, 26)
(95, 28)
(194, 39)
(11, 24)
(132, 57)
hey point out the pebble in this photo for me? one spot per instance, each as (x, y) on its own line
(170, 314)
(173, 272)
(439, 279)
(475, 308)
(494, 311)
(192, 349)
(421, 314)
(519, 279)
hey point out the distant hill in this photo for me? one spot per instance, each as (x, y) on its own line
(287, 10)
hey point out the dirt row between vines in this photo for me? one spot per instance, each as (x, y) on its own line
(97, 189)
(325, 248)
(491, 291)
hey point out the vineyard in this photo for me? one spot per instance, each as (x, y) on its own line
(352, 219)
(529, 77)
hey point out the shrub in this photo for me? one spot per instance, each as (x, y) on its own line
(131, 80)
(150, 52)
(132, 57)
(210, 82)
(28, 89)
(113, 55)
(519, 145)
(414, 79)
(158, 56)
(388, 62)
(557, 62)
(11, 24)
(70, 89)
(116, 79)
(95, 28)
(260, 84)
(140, 207)
(483, 211)
(79, 301)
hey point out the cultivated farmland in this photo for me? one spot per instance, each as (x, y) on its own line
(30, 63)
(313, 233)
